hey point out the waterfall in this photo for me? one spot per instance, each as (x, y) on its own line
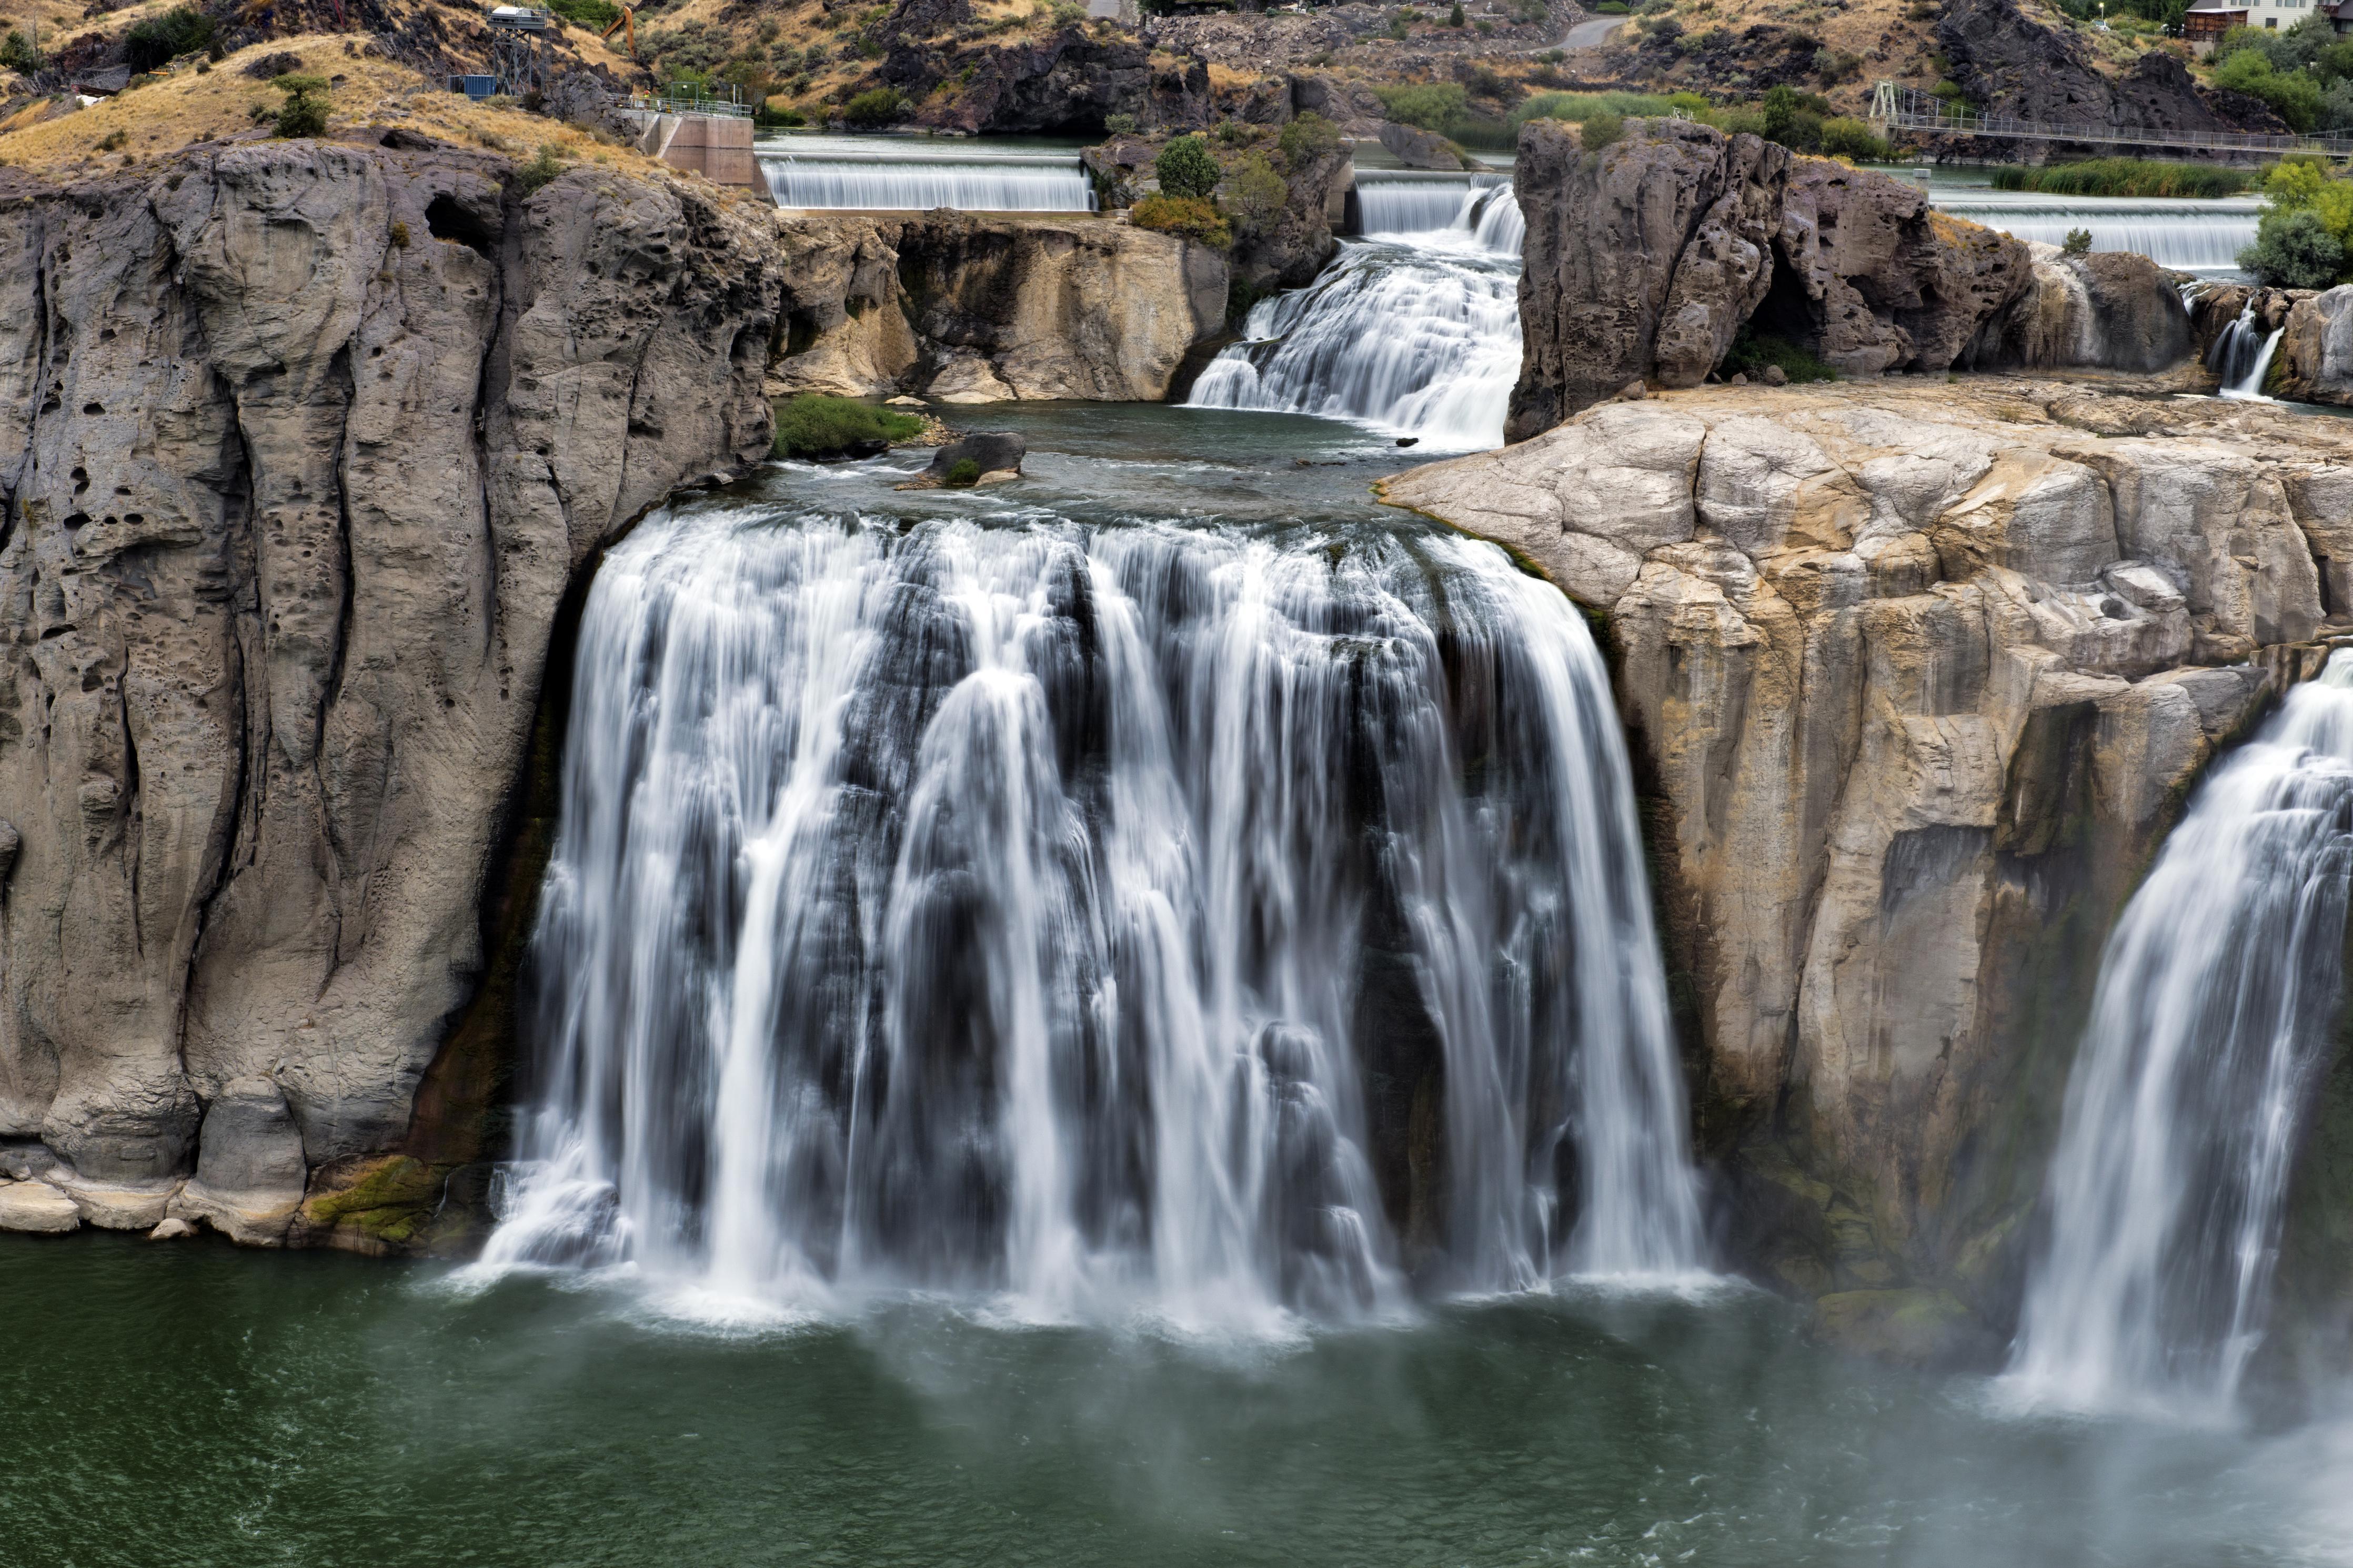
(1394, 203)
(2190, 236)
(1411, 330)
(2212, 1015)
(1091, 916)
(844, 172)
(2242, 355)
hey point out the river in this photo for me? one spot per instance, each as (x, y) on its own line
(193, 1402)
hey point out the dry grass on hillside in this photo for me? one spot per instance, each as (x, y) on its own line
(372, 93)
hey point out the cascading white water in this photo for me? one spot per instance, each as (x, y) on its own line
(2242, 355)
(2191, 236)
(2212, 1014)
(839, 172)
(1095, 916)
(1400, 204)
(1411, 330)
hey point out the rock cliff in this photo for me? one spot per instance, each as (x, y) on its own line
(2011, 65)
(300, 446)
(1644, 259)
(967, 310)
(1919, 672)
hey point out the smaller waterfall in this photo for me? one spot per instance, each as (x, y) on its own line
(1392, 203)
(2212, 1015)
(2188, 234)
(2242, 356)
(1415, 330)
(841, 171)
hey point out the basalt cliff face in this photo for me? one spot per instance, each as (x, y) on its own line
(979, 310)
(1646, 260)
(1921, 672)
(300, 446)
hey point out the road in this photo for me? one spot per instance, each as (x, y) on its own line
(1590, 34)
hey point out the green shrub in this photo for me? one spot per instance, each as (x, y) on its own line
(2294, 250)
(598, 14)
(542, 169)
(1752, 351)
(877, 105)
(1258, 192)
(1434, 106)
(1845, 137)
(1189, 217)
(1598, 131)
(1309, 136)
(1454, 16)
(962, 474)
(159, 40)
(814, 425)
(1186, 171)
(2077, 243)
(1576, 107)
(2294, 95)
(767, 118)
(1119, 124)
(17, 53)
(305, 109)
(2125, 177)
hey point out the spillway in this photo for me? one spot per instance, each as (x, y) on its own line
(1412, 330)
(2212, 1015)
(903, 175)
(2189, 235)
(1072, 911)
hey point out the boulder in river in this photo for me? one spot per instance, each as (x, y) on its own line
(994, 456)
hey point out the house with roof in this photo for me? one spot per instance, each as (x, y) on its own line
(2207, 20)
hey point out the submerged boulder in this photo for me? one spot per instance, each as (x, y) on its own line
(980, 457)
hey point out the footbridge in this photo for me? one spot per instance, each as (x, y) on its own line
(1917, 113)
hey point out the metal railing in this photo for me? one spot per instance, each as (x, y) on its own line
(648, 103)
(1894, 108)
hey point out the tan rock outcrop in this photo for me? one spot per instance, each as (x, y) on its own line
(1920, 671)
(986, 309)
(301, 447)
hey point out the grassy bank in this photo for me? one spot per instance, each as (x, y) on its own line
(2126, 178)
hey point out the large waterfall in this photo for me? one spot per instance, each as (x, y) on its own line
(1414, 330)
(900, 174)
(1220, 921)
(2211, 1013)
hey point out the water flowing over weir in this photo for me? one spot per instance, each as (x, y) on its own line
(1414, 330)
(2212, 1012)
(1220, 920)
(875, 175)
(2190, 236)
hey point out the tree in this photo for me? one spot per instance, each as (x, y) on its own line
(1186, 170)
(305, 110)
(2294, 250)
(1454, 16)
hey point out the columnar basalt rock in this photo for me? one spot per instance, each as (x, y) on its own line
(300, 446)
(1921, 674)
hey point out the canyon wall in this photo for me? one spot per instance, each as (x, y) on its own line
(1921, 672)
(300, 446)
(976, 310)
(1646, 260)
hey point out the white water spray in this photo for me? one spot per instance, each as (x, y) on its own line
(1216, 921)
(2212, 1014)
(1414, 330)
